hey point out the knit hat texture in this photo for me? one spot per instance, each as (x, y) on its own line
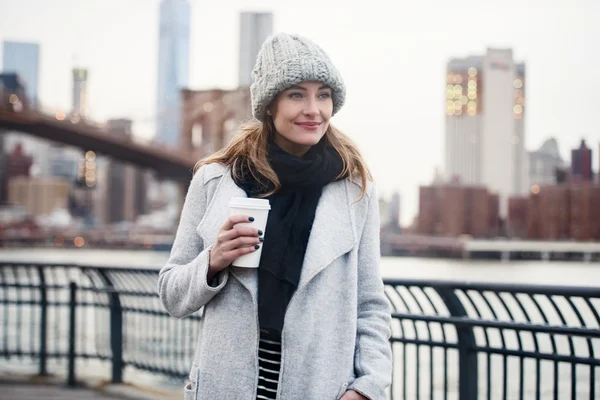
(285, 60)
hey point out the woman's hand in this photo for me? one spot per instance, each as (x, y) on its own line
(233, 242)
(352, 395)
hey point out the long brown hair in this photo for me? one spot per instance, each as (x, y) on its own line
(247, 151)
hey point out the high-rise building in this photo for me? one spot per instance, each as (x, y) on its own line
(544, 163)
(255, 28)
(122, 187)
(394, 210)
(173, 68)
(485, 110)
(23, 59)
(64, 160)
(80, 92)
(581, 164)
(11, 90)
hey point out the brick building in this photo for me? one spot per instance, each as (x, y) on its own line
(210, 118)
(554, 212)
(495, 222)
(427, 220)
(517, 217)
(557, 212)
(39, 196)
(454, 210)
(584, 212)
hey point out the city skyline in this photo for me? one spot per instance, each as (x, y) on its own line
(393, 65)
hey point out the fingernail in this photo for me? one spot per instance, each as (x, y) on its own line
(250, 219)
(261, 239)
(257, 247)
(260, 232)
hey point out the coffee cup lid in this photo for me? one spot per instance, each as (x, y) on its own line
(245, 202)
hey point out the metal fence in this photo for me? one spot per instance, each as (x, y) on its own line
(450, 340)
(494, 341)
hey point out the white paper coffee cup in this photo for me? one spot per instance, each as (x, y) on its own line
(259, 210)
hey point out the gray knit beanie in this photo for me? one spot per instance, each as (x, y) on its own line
(285, 60)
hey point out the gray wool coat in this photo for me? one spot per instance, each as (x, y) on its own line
(337, 324)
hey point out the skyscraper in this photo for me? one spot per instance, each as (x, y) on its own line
(80, 82)
(64, 160)
(581, 164)
(485, 109)
(544, 163)
(23, 59)
(173, 68)
(254, 30)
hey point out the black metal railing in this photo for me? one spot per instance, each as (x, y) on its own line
(487, 341)
(450, 340)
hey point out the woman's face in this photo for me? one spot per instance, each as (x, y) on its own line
(301, 116)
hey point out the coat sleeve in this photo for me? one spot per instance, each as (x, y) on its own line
(182, 283)
(373, 355)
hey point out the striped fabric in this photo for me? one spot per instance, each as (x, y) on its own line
(269, 362)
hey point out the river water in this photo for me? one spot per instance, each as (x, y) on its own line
(532, 272)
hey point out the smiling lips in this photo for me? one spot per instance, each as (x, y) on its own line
(310, 126)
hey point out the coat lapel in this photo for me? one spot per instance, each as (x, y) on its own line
(332, 233)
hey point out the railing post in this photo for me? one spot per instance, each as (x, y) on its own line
(71, 355)
(43, 322)
(116, 338)
(467, 357)
(116, 329)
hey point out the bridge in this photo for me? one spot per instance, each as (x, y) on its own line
(172, 164)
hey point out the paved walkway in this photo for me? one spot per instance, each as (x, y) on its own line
(22, 391)
(28, 388)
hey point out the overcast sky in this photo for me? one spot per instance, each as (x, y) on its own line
(392, 55)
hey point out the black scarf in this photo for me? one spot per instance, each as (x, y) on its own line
(289, 224)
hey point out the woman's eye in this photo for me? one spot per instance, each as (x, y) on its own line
(324, 95)
(295, 95)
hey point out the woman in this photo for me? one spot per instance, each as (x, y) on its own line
(312, 322)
